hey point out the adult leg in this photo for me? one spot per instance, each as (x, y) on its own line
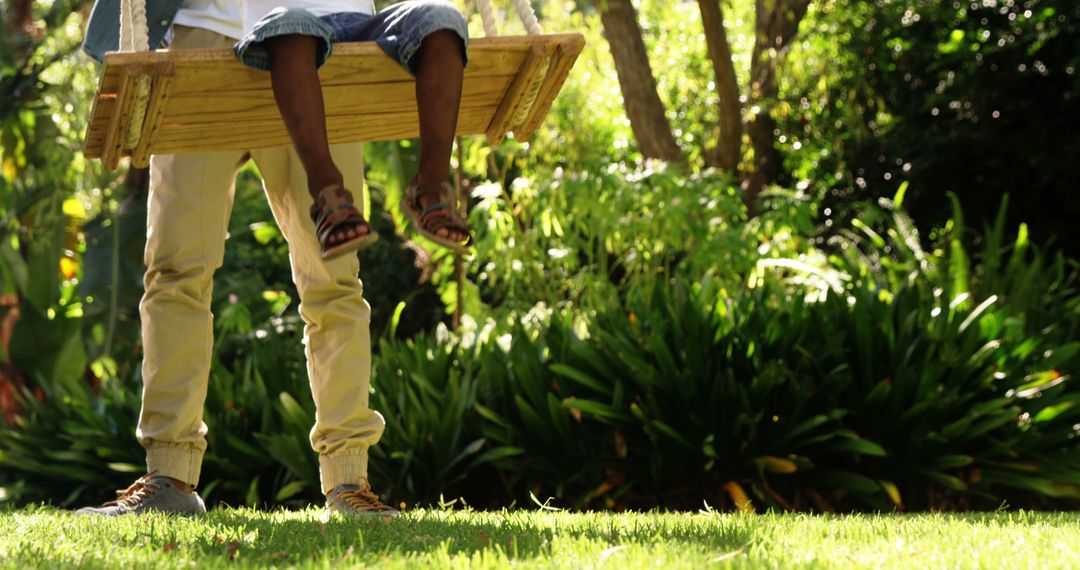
(336, 319)
(187, 221)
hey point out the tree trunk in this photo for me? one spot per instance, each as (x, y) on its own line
(776, 25)
(18, 16)
(729, 138)
(643, 106)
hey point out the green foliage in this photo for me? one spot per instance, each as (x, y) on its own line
(75, 442)
(974, 98)
(905, 394)
(71, 444)
(578, 239)
(426, 394)
(42, 108)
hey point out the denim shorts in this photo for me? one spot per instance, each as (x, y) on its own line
(399, 30)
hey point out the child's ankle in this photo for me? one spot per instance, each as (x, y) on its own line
(315, 186)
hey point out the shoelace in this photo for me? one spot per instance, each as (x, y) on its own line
(134, 494)
(362, 499)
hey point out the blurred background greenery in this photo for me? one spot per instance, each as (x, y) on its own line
(788, 254)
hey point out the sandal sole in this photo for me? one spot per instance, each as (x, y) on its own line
(414, 217)
(355, 244)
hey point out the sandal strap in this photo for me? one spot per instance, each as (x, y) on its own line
(437, 207)
(332, 219)
(439, 216)
(444, 192)
(333, 207)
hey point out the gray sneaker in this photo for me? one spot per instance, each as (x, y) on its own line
(150, 493)
(358, 500)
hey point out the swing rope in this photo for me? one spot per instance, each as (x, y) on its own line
(135, 36)
(528, 16)
(524, 10)
(487, 18)
(532, 27)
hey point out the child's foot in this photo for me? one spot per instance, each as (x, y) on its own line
(340, 227)
(430, 207)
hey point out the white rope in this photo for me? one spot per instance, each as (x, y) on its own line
(532, 27)
(135, 36)
(134, 33)
(525, 12)
(528, 17)
(487, 17)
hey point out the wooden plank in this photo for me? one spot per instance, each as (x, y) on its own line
(220, 70)
(231, 75)
(98, 129)
(532, 89)
(350, 128)
(117, 133)
(240, 111)
(155, 112)
(220, 98)
(103, 108)
(477, 46)
(500, 122)
(563, 62)
(337, 100)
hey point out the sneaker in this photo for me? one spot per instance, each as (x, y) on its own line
(358, 500)
(150, 493)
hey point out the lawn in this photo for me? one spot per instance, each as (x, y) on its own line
(46, 537)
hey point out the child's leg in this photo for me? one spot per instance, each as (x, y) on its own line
(298, 93)
(439, 69)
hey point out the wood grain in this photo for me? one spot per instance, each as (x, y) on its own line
(211, 101)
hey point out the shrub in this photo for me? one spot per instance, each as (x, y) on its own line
(871, 374)
(868, 374)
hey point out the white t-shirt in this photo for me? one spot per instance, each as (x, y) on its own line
(233, 18)
(222, 16)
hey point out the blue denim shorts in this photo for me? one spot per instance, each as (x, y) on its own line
(399, 30)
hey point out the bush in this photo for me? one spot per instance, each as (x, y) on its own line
(886, 377)
(869, 374)
(914, 402)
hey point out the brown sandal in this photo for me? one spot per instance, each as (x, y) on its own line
(440, 215)
(333, 212)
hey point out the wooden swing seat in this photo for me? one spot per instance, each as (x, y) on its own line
(206, 100)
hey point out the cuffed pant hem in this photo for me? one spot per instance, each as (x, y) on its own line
(177, 461)
(342, 469)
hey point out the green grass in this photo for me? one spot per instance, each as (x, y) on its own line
(46, 537)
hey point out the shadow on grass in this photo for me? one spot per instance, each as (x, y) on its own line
(520, 535)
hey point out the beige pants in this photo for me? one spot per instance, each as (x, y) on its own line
(191, 197)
